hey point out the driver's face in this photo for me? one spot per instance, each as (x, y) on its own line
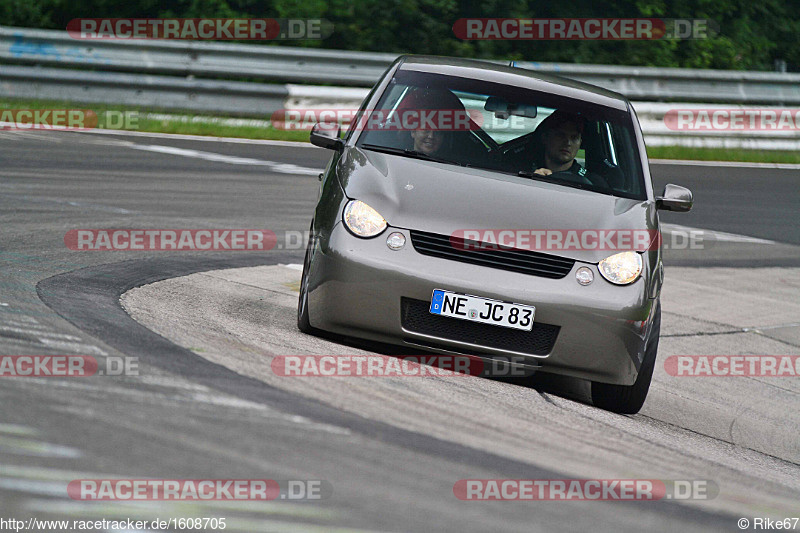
(562, 142)
(427, 141)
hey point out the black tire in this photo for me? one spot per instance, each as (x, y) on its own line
(628, 399)
(303, 322)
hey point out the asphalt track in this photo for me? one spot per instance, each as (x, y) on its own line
(205, 406)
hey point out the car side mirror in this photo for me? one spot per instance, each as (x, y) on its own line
(675, 198)
(327, 136)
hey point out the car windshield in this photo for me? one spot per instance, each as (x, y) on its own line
(530, 134)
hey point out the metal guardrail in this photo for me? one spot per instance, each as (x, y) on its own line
(260, 100)
(656, 132)
(193, 58)
(308, 65)
(134, 73)
(683, 85)
(155, 92)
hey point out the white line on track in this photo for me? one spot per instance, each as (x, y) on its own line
(74, 347)
(38, 332)
(42, 135)
(207, 138)
(284, 168)
(44, 335)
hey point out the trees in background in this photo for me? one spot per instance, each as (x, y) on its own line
(752, 35)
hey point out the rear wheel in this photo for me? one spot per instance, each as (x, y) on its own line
(303, 322)
(628, 399)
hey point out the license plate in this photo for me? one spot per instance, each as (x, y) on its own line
(483, 310)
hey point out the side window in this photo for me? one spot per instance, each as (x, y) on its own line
(360, 113)
(393, 96)
(624, 154)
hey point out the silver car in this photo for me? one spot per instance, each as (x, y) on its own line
(478, 209)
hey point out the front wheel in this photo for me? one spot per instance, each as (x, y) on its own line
(628, 399)
(303, 322)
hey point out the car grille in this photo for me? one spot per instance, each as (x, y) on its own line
(524, 261)
(417, 318)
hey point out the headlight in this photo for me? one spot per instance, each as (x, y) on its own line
(362, 220)
(622, 268)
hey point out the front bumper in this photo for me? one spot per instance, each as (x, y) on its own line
(356, 287)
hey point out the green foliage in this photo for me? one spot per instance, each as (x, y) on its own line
(752, 35)
(23, 13)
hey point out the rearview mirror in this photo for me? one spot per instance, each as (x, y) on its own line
(675, 198)
(503, 109)
(327, 135)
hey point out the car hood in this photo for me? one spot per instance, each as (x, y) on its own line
(445, 199)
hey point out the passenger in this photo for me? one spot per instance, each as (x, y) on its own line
(427, 142)
(420, 100)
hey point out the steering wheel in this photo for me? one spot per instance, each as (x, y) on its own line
(571, 176)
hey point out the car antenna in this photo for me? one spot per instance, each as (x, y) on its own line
(512, 64)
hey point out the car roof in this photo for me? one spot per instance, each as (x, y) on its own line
(517, 77)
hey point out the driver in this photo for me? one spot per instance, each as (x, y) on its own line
(561, 135)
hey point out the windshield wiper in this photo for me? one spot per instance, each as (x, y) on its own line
(549, 179)
(405, 152)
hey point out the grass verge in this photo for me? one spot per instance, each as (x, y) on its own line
(723, 154)
(185, 122)
(190, 123)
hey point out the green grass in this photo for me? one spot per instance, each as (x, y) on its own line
(186, 122)
(723, 154)
(191, 123)
(220, 130)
